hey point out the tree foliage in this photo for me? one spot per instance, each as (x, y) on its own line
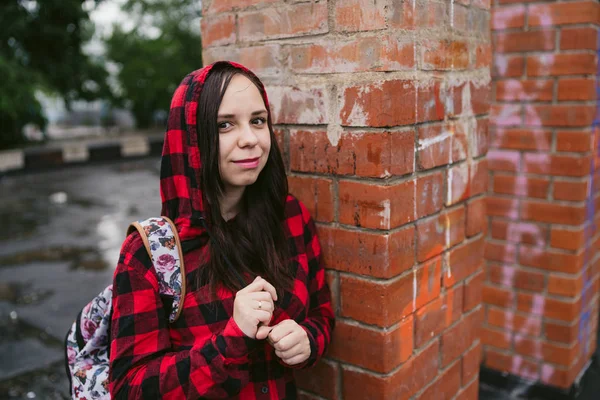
(41, 48)
(152, 57)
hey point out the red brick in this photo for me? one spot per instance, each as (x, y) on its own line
(552, 213)
(446, 385)
(376, 206)
(366, 154)
(521, 186)
(508, 66)
(262, 60)
(511, 363)
(453, 303)
(384, 304)
(514, 277)
(435, 145)
(364, 253)
(497, 296)
(561, 64)
(298, 105)
(501, 160)
(508, 17)
(528, 325)
(457, 339)
(402, 384)
(565, 286)
(430, 106)
(466, 180)
(517, 232)
(483, 56)
(578, 12)
(272, 23)
(522, 139)
(471, 391)
(389, 103)
(476, 216)
(561, 332)
(506, 114)
(380, 351)
(542, 40)
(576, 89)
(472, 291)
(579, 39)
(480, 98)
(496, 338)
(463, 261)
(502, 252)
(436, 234)
(524, 90)
(570, 191)
(470, 364)
(502, 207)
(445, 55)
(479, 138)
(359, 54)
(316, 194)
(559, 165)
(552, 260)
(321, 379)
(218, 30)
(548, 307)
(559, 115)
(430, 321)
(359, 15)
(567, 239)
(430, 189)
(573, 141)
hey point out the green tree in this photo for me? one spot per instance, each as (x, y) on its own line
(41, 49)
(152, 58)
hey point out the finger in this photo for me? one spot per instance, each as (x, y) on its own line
(282, 329)
(295, 360)
(246, 289)
(259, 285)
(263, 332)
(288, 342)
(285, 354)
(263, 316)
(264, 305)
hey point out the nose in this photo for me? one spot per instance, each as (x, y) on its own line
(247, 137)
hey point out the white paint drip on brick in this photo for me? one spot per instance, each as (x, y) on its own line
(385, 214)
(414, 289)
(425, 143)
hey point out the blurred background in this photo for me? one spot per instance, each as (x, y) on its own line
(76, 72)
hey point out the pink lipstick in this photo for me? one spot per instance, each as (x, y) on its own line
(248, 163)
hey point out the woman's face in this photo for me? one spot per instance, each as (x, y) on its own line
(244, 137)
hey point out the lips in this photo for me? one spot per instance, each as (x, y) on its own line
(247, 161)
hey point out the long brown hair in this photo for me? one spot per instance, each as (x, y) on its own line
(254, 242)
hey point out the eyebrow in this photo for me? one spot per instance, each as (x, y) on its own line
(259, 112)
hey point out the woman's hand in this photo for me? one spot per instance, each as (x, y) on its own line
(290, 341)
(253, 306)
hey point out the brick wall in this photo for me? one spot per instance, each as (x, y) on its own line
(541, 284)
(381, 109)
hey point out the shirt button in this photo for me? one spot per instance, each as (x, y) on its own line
(265, 389)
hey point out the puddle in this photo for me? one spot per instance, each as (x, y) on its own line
(80, 258)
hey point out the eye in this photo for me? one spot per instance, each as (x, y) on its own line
(260, 121)
(223, 126)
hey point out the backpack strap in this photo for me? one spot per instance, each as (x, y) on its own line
(162, 243)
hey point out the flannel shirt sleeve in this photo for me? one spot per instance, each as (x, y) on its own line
(320, 320)
(142, 362)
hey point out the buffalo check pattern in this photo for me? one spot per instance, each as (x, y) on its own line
(204, 354)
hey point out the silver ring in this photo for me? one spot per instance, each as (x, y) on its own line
(260, 305)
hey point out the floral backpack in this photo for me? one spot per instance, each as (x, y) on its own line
(87, 344)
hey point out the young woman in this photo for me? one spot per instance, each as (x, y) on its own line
(257, 303)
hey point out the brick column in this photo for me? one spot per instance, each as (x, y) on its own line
(381, 110)
(541, 289)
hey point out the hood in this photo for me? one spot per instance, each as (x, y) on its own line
(180, 188)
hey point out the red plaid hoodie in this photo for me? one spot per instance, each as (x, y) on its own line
(204, 354)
